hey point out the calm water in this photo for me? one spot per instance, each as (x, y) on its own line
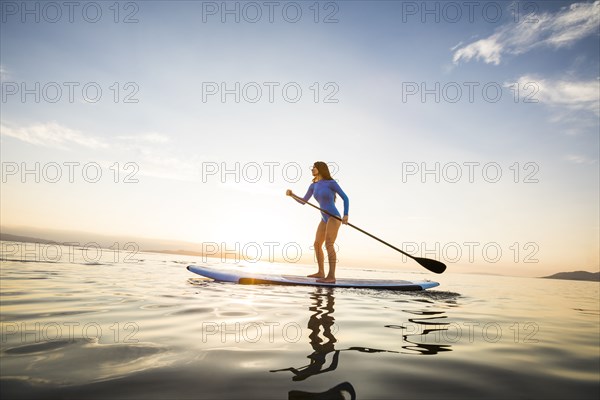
(147, 328)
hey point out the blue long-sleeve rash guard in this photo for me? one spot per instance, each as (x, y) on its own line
(324, 192)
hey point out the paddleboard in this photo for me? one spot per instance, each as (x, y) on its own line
(251, 278)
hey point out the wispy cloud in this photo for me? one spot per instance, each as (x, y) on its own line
(163, 163)
(580, 159)
(555, 30)
(152, 137)
(572, 95)
(3, 73)
(148, 150)
(252, 188)
(156, 158)
(51, 134)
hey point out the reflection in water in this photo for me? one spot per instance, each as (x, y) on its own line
(322, 340)
(335, 393)
(428, 325)
(59, 362)
(322, 316)
(322, 320)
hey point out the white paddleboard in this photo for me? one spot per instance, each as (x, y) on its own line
(250, 278)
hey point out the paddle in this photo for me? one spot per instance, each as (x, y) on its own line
(432, 265)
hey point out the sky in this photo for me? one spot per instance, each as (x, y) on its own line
(467, 132)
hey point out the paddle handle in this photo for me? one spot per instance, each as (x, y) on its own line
(355, 227)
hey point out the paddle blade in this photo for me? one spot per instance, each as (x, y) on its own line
(432, 265)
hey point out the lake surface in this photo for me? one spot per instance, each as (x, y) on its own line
(143, 327)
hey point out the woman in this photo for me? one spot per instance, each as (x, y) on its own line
(324, 189)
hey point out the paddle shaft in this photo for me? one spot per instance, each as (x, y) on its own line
(355, 227)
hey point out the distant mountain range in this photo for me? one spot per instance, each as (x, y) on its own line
(69, 238)
(82, 238)
(576, 276)
(18, 238)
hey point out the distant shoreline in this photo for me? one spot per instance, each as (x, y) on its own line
(576, 276)
(29, 239)
(573, 275)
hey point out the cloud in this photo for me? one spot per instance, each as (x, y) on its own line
(51, 134)
(3, 73)
(156, 159)
(162, 163)
(147, 150)
(579, 159)
(153, 138)
(487, 49)
(573, 95)
(555, 30)
(255, 188)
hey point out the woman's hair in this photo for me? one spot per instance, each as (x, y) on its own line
(323, 171)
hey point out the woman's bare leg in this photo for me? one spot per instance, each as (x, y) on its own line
(319, 240)
(331, 231)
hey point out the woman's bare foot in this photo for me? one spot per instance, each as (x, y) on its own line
(317, 275)
(326, 280)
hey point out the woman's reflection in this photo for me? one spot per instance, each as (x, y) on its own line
(420, 328)
(321, 317)
(322, 340)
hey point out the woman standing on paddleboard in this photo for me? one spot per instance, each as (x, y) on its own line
(324, 189)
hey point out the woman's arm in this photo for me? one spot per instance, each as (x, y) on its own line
(336, 187)
(307, 196)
